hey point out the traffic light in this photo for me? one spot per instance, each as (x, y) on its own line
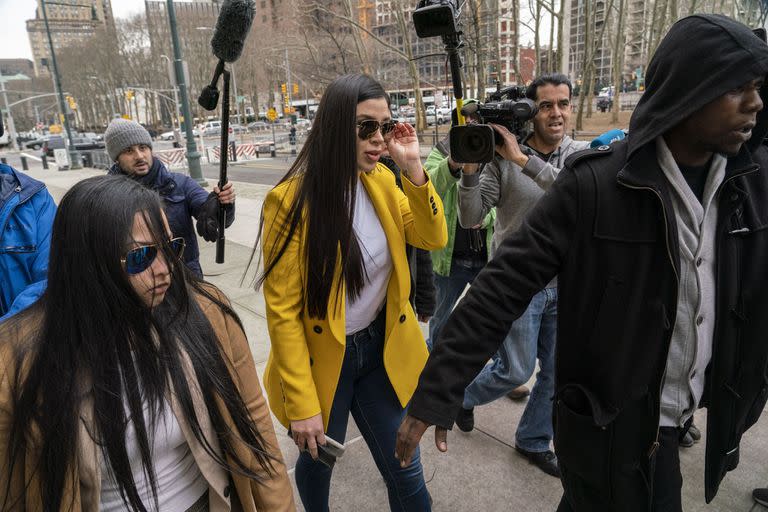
(295, 88)
(72, 103)
(129, 94)
(284, 88)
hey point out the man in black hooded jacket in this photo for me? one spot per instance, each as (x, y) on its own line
(660, 245)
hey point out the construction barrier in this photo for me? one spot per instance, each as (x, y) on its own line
(172, 157)
(243, 151)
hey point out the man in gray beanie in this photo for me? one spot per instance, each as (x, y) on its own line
(129, 145)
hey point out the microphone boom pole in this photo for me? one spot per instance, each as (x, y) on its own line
(232, 26)
(223, 160)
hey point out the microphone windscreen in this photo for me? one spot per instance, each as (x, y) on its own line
(235, 19)
(607, 138)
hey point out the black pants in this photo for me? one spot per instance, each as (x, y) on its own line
(667, 479)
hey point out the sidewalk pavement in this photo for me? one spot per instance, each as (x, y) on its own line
(481, 471)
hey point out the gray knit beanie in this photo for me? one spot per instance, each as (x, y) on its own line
(124, 133)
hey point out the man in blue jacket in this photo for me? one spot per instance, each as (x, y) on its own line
(26, 218)
(130, 146)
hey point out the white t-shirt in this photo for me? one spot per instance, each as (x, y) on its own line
(179, 481)
(377, 260)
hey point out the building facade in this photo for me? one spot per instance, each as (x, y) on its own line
(70, 22)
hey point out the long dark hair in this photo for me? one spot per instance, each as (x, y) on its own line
(326, 179)
(93, 332)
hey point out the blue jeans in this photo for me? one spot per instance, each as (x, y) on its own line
(364, 389)
(531, 336)
(449, 289)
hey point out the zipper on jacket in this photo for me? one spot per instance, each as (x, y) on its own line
(655, 444)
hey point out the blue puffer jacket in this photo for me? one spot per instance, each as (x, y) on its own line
(26, 218)
(184, 199)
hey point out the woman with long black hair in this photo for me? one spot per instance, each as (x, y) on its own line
(336, 283)
(130, 384)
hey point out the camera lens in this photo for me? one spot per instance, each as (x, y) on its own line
(472, 144)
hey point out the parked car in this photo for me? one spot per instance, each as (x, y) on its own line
(38, 143)
(258, 125)
(606, 92)
(87, 144)
(237, 128)
(53, 142)
(604, 104)
(433, 114)
(212, 128)
(171, 135)
(303, 123)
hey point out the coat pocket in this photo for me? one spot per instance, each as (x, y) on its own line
(584, 442)
(20, 236)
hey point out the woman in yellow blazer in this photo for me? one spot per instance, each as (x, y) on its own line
(130, 385)
(336, 283)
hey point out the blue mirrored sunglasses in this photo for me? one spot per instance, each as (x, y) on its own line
(139, 259)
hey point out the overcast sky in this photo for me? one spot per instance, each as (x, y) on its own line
(15, 13)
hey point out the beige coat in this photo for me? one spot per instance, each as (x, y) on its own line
(83, 484)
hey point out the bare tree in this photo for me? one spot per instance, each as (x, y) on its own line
(401, 31)
(588, 62)
(618, 62)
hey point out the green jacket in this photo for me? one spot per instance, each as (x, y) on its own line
(447, 187)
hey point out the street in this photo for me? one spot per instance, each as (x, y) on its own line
(264, 171)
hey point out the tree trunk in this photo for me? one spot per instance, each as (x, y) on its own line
(360, 48)
(563, 46)
(657, 26)
(516, 40)
(551, 52)
(413, 71)
(585, 67)
(618, 63)
(536, 44)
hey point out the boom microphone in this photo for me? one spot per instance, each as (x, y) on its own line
(235, 19)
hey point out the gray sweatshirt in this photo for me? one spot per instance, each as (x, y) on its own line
(512, 190)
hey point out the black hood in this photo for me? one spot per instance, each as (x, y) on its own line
(701, 58)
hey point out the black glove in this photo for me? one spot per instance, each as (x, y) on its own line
(207, 219)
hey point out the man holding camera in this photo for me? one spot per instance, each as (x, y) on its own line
(659, 244)
(513, 182)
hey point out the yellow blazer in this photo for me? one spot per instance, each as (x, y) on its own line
(307, 353)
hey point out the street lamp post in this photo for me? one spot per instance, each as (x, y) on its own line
(193, 156)
(74, 155)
